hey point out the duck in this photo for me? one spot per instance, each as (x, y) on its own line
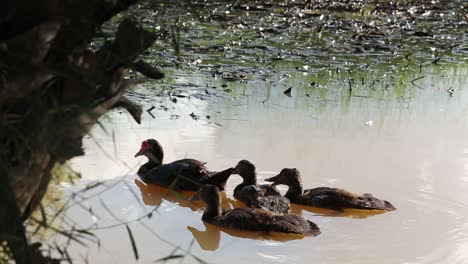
(184, 174)
(250, 218)
(260, 196)
(326, 197)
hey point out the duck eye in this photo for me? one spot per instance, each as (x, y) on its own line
(145, 144)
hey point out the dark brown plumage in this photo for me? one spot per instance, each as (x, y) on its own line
(325, 197)
(184, 174)
(252, 219)
(259, 196)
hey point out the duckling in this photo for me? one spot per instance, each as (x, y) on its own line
(184, 174)
(260, 196)
(325, 197)
(251, 219)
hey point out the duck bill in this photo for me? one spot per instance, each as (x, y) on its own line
(235, 170)
(195, 197)
(140, 153)
(274, 180)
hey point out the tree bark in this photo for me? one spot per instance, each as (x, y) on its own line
(53, 89)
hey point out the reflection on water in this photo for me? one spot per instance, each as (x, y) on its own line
(412, 154)
(153, 195)
(208, 239)
(352, 213)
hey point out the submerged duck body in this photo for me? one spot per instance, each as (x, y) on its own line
(325, 197)
(184, 174)
(252, 219)
(260, 196)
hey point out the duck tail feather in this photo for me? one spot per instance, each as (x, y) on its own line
(314, 230)
(389, 206)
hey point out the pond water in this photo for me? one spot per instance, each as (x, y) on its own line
(411, 150)
(378, 105)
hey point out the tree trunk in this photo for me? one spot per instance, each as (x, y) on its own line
(53, 89)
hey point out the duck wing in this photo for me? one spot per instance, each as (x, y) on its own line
(325, 197)
(238, 218)
(184, 174)
(255, 196)
(254, 219)
(369, 202)
(339, 199)
(277, 204)
(190, 166)
(270, 190)
(293, 223)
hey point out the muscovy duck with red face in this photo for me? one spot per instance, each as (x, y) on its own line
(184, 174)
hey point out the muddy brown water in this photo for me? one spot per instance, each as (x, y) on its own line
(378, 104)
(411, 150)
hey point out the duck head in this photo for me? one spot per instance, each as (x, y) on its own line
(287, 176)
(211, 196)
(207, 193)
(152, 150)
(246, 170)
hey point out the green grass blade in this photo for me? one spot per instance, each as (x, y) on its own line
(132, 240)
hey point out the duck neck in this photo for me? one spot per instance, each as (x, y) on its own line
(294, 190)
(213, 209)
(151, 164)
(156, 159)
(250, 179)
